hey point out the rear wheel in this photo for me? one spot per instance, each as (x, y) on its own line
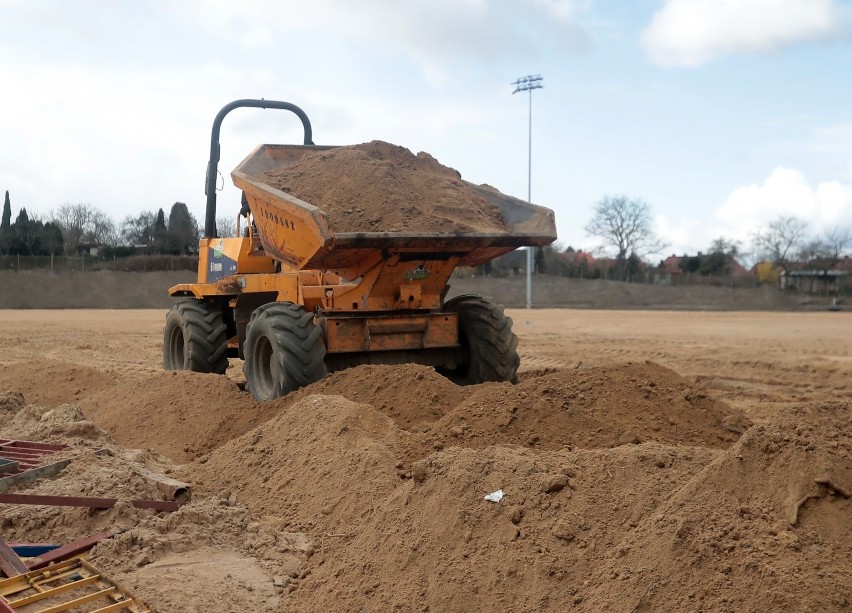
(195, 337)
(488, 345)
(284, 350)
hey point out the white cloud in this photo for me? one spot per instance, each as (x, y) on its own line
(694, 32)
(786, 192)
(436, 35)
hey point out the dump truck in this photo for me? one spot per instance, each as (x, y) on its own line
(296, 299)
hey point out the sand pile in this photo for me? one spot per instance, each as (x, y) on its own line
(18, 420)
(436, 544)
(52, 382)
(231, 559)
(227, 555)
(380, 187)
(627, 487)
(593, 407)
(387, 535)
(314, 464)
(410, 394)
(587, 528)
(766, 526)
(178, 413)
(184, 415)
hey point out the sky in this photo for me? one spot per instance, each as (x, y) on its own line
(721, 115)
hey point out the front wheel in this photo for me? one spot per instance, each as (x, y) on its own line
(195, 337)
(284, 350)
(488, 345)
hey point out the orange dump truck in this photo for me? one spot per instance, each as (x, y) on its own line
(295, 299)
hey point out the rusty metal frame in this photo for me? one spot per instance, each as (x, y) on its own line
(82, 501)
(67, 551)
(10, 564)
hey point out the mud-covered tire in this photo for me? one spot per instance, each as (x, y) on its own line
(284, 350)
(195, 337)
(490, 348)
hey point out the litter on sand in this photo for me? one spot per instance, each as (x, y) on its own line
(494, 496)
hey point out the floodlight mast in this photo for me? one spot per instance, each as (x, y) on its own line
(528, 84)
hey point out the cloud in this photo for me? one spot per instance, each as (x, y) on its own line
(436, 35)
(786, 192)
(694, 32)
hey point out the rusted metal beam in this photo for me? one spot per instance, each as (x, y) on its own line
(82, 501)
(34, 473)
(67, 551)
(10, 564)
(6, 443)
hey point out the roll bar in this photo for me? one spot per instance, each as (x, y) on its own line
(213, 163)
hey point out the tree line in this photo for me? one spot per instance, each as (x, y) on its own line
(624, 226)
(75, 227)
(625, 229)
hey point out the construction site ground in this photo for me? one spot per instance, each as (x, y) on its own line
(649, 460)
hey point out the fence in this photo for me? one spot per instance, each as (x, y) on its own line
(87, 263)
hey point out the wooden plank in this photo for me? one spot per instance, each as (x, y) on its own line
(79, 601)
(50, 583)
(119, 606)
(10, 563)
(35, 473)
(54, 591)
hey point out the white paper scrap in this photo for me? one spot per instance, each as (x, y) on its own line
(494, 496)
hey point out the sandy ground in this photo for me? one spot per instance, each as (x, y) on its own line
(634, 477)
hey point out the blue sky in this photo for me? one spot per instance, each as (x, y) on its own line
(720, 114)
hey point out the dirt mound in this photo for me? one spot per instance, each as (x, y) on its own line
(97, 469)
(764, 527)
(180, 414)
(229, 557)
(380, 187)
(433, 541)
(765, 521)
(19, 420)
(53, 382)
(410, 394)
(184, 415)
(314, 464)
(594, 407)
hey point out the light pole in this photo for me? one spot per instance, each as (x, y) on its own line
(528, 84)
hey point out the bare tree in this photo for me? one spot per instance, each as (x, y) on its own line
(138, 230)
(84, 223)
(625, 225)
(825, 252)
(226, 227)
(725, 246)
(780, 241)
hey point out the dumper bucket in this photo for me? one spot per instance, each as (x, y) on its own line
(300, 235)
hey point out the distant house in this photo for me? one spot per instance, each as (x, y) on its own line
(578, 258)
(675, 267)
(813, 280)
(88, 249)
(671, 267)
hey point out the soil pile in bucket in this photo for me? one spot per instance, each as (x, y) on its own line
(380, 187)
